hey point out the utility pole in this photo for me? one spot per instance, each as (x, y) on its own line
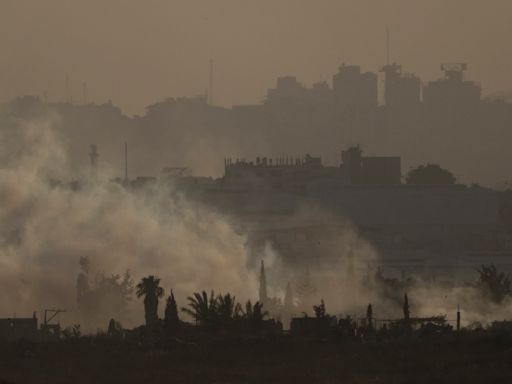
(210, 91)
(458, 318)
(387, 46)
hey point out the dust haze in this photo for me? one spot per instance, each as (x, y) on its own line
(255, 191)
(135, 53)
(46, 229)
(138, 55)
(189, 85)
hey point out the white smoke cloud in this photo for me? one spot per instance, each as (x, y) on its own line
(45, 229)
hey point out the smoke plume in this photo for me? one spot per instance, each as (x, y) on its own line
(48, 223)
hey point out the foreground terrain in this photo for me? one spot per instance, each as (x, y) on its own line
(450, 359)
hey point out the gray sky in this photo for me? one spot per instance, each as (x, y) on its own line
(137, 52)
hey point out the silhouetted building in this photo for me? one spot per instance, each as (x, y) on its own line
(295, 174)
(376, 170)
(278, 173)
(287, 88)
(400, 90)
(354, 90)
(452, 90)
(289, 91)
(18, 328)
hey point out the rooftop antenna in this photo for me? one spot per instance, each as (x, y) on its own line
(387, 46)
(125, 161)
(210, 93)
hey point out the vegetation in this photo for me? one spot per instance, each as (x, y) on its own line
(242, 345)
(222, 311)
(202, 308)
(149, 287)
(472, 358)
(430, 174)
(171, 318)
(226, 309)
(108, 297)
(492, 284)
(115, 329)
(320, 310)
(254, 313)
(72, 332)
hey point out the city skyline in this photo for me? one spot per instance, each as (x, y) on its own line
(164, 50)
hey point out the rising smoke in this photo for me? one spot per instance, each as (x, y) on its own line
(47, 226)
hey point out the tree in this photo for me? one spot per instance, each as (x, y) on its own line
(430, 174)
(263, 284)
(113, 293)
(493, 284)
(149, 287)
(320, 310)
(171, 319)
(226, 308)
(369, 316)
(202, 308)
(114, 329)
(107, 297)
(254, 313)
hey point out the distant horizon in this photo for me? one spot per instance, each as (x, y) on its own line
(135, 52)
(77, 101)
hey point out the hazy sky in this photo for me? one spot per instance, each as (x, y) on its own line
(138, 52)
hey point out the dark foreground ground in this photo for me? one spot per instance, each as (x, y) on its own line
(283, 360)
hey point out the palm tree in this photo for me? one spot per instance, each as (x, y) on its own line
(149, 287)
(202, 308)
(254, 313)
(226, 308)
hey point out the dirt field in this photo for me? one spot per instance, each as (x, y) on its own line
(282, 360)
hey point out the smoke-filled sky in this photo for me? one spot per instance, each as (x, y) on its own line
(136, 52)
